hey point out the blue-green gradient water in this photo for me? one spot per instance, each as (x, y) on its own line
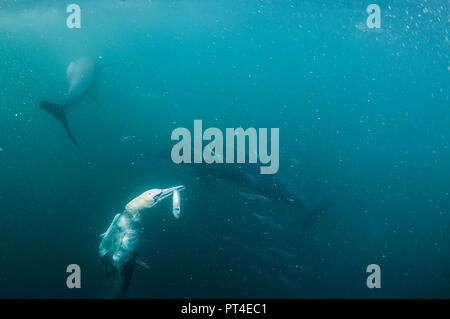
(364, 119)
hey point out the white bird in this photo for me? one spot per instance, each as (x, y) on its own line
(118, 245)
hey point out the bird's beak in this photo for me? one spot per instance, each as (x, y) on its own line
(169, 192)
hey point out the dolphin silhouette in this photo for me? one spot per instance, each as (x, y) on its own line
(246, 177)
(82, 76)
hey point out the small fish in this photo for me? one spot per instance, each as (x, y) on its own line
(126, 138)
(1, 149)
(256, 197)
(142, 264)
(176, 204)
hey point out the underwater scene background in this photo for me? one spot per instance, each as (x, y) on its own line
(364, 124)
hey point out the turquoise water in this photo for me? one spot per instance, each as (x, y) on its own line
(364, 132)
